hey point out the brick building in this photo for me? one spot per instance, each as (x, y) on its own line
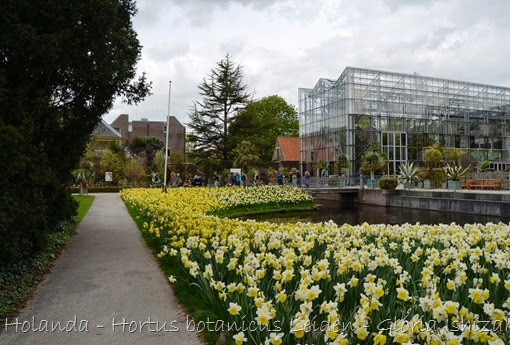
(145, 128)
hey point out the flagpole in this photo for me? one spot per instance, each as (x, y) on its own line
(167, 131)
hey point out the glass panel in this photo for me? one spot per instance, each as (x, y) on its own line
(456, 114)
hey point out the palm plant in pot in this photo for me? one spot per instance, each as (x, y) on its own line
(408, 174)
(85, 175)
(371, 162)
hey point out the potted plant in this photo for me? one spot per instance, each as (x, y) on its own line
(342, 165)
(85, 175)
(483, 166)
(387, 184)
(429, 184)
(408, 174)
(454, 155)
(454, 174)
(438, 176)
(432, 156)
(371, 162)
(453, 169)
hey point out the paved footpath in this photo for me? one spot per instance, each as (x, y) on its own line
(106, 288)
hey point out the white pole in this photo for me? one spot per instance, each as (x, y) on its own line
(167, 130)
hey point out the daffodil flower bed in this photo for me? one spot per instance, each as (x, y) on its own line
(233, 197)
(310, 283)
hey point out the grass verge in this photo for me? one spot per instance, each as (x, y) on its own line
(250, 210)
(19, 280)
(84, 203)
(188, 295)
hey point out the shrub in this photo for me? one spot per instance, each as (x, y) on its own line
(112, 189)
(386, 182)
(24, 217)
(437, 174)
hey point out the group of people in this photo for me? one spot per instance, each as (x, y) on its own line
(236, 179)
(240, 179)
(295, 178)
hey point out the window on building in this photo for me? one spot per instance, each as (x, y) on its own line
(130, 128)
(277, 153)
(394, 144)
(164, 129)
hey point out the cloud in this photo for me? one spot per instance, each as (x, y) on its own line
(287, 44)
(395, 5)
(200, 13)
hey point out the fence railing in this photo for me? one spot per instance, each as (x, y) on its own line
(338, 182)
(328, 182)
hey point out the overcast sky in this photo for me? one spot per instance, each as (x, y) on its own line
(286, 44)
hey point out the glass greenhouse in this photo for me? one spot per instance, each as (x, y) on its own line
(404, 114)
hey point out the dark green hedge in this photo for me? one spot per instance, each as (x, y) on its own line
(32, 201)
(98, 189)
(387, 182)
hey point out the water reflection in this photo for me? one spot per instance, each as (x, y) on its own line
(351, 213)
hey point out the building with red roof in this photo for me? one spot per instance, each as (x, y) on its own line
(286, 152)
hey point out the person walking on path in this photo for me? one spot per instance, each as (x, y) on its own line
(106, 288)
(307, 179)
(294, 180)
(244, 180)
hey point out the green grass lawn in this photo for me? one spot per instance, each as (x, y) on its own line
(85, 201)
(250, 210)
(19, 280)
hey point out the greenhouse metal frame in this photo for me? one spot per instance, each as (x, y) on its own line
(403, 114)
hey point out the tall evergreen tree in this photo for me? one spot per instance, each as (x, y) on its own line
(223, 95)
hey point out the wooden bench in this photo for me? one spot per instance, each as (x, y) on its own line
(494, 184)
(465, 182)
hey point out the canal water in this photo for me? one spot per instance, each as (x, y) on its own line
(352, 213)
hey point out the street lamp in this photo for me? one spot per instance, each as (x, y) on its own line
(167, 131)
